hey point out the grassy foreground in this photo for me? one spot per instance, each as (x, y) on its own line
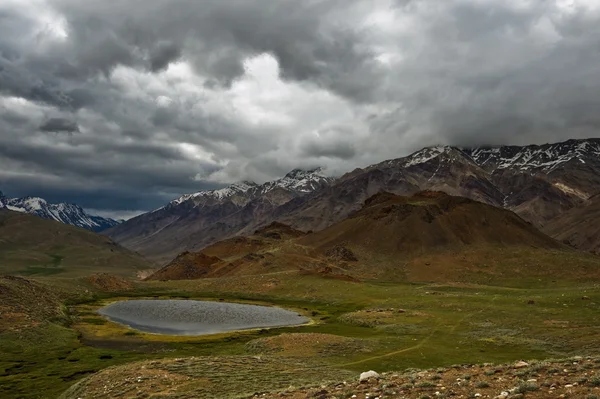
(358, 327)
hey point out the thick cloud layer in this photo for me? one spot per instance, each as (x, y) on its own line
(122, 105)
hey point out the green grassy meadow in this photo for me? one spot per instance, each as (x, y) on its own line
(395, 326)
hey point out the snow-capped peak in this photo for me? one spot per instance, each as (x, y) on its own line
(425, 155)
(218, 194)
(235, 188)
(299, 174)
(545, 157)
(33, 204)
(61, 212)
(298, 181)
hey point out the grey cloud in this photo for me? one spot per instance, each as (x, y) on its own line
(163, 54)
(333, 142)
(218, 35)
(58, 125)
(454, 72)
(329, 150)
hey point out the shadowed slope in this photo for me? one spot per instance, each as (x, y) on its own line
(33, 246)
(235, 256)
(430, 236)
(579, 227)
(402, 226)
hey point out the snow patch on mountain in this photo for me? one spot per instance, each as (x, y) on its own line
(545, 158)
(239, 188)
(298, 181)
(61, 212)
(425, 155)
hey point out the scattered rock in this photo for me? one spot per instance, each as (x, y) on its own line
(108, 282)
(520, 364)
(341, 253)
(368, 375)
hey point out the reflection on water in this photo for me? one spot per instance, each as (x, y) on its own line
(188, 317)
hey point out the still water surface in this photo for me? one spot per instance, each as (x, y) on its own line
(189, 317)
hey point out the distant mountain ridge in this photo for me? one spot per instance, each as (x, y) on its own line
(429, 236)
(70, 214)
(297, 181)
(195, 220)
(537, 182)
(546, 158)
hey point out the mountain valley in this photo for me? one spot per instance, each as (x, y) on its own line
(449, 264)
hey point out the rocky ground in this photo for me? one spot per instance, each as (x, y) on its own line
(572, 378)
(109, 283)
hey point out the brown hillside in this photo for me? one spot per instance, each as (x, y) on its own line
(26, 303)
(108, 282)
(433, 236)
(32, 246)
(234, 256)
(188, 266)
(579, 227)
(278, 231)
(430, 236)
(398, 225)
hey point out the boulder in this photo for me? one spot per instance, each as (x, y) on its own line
(521, 364)
(367, 375)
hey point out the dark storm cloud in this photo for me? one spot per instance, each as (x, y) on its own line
(58, 125)
(218, 35)
(163, 54)
(329, 150)
(171, 97)
(335, 142)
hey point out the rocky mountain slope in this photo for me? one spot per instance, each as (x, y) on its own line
(194, 221)
(426, 222)
(242, 255)
(62, 212)
(33, 246)
(579, 227)
(430, 236)
(538, 183)
(542, 182)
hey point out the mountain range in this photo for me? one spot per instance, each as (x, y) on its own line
(429, 236)
(194, 221)
(537, 182)
(65, 213)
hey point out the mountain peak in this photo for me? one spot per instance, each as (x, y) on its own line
(240, 187)
(299, 174)
(426, 155)
(62, 212)
(244, 184)
(545, 157)
(301, 181)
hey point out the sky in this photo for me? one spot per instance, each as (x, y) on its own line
(122, 105)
